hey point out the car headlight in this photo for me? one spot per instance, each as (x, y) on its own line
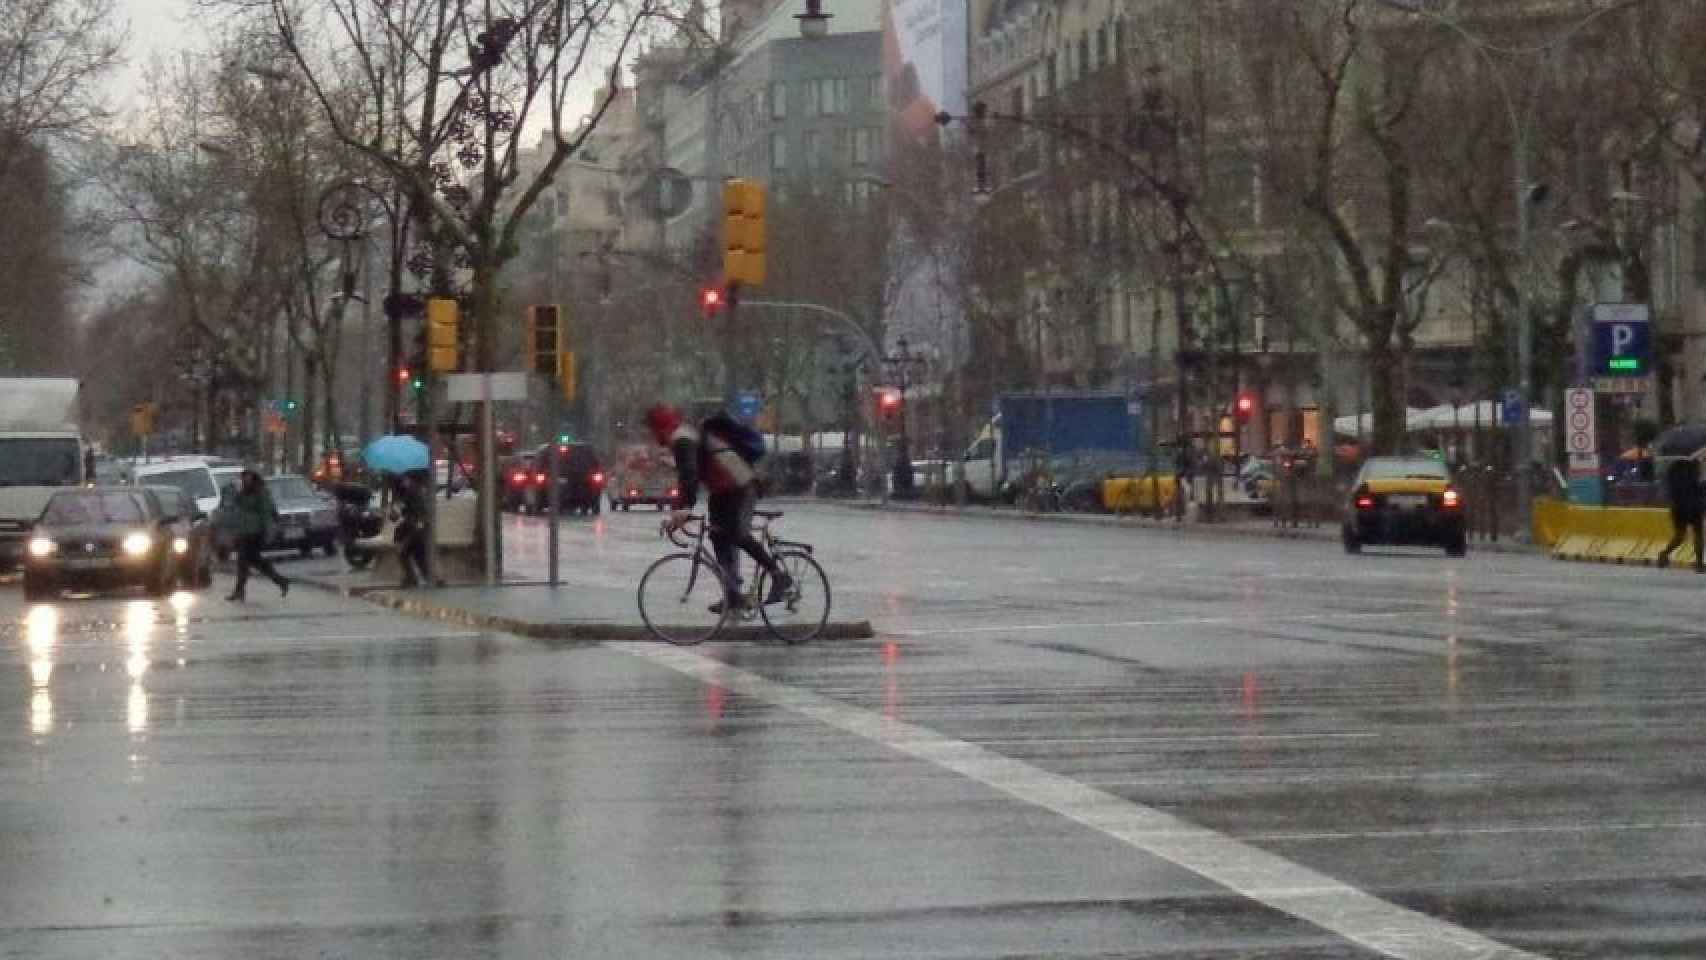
(43, 547)
(180, 545)
(138, 544)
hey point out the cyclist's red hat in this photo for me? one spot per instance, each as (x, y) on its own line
(663, 419)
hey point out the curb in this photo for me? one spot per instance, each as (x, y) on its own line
(558, 633)
(1319, 534)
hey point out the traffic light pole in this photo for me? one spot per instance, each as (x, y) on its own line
(553, 466)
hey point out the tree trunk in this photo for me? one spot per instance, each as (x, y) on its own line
(1387, 394)
(485, 326)
(310, 375)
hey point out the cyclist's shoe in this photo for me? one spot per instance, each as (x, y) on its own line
(736, 603)
(779, 587)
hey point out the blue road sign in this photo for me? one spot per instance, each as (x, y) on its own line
(747, 404)
(1622, 341)
(1513, 411)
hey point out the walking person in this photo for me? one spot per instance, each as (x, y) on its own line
(412, 533)
(1687, 510)
(253, 517)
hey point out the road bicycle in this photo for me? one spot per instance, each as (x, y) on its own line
(682, 594)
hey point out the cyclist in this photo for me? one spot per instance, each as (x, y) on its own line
(702, 455)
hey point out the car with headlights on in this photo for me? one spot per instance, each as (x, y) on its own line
(101, 538)
(1405, 501)
(192, 567)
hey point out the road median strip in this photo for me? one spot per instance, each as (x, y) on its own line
(424, 604)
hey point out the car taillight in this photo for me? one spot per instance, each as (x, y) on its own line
(674, 492)
(1365, 502)
(518, 478)
(598, 479)
(1451, 499)
(633, 493)
(539, 478)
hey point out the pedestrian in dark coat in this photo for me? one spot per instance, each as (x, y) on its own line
(1687, 508)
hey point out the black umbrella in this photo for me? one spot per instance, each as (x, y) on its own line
(1684, 441)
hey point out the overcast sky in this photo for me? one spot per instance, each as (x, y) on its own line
(158, 28)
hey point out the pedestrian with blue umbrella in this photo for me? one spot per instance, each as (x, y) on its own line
(397, 454)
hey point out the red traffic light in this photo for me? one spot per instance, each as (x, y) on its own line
(402, 374)
(889, 400)
(711, 300)
(1245, 405)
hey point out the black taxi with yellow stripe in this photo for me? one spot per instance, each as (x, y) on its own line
(1405, 501)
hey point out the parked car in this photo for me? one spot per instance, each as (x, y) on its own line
(193, 530)
(580, 479)
(307, 518)
(99, 538)
(193, 475)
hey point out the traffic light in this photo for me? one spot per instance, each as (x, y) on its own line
(544, 339)
(566, 374)
(710, 301)
(417, 383)
(743, 233)
(403, 376)
(287, 406)
(142, 418)
(1244, 407)
(888, 401)
(443, 316)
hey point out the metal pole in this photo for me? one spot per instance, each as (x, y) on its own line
(429, 420)
(488, 490)
(553, 498)
(1525, 334)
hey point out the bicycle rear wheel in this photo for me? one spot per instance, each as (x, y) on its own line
(802, 614)
(676, 596)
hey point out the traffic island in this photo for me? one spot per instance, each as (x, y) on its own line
(568, 615)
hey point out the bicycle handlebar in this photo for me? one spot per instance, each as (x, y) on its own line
(679, 535)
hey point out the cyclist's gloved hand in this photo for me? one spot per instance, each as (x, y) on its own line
(677, 519)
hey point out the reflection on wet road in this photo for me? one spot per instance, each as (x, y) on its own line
(1067, 742)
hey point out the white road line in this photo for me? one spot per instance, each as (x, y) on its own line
(1499, 830)
(1247, 871)
(1204, 738)
(1175, 622)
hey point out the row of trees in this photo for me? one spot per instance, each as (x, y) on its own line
(1347, 171)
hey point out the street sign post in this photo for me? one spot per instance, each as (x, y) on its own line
(1581, 442)
(1513, 412)
(747, 404)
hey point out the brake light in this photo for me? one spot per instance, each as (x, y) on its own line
(1452, 500)
(633, 493)
(598, 479)
(674, 492)
(1365, 502)
(519, 478)
(539, 478)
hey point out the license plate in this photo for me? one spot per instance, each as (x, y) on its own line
(88, 563)
(1408, 501)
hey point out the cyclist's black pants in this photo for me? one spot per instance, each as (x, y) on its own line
(731, 526)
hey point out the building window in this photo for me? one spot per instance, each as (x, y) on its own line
(811, 98)
(831, 96)
(1016, 102)
(862, 146)
(1051, 76)
(1119, 38)
(778, 152)
(778, 101)
(1101, 47)
(872, 92)
(812, 147)
(1083, 54)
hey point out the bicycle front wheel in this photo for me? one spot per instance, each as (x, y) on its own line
(804, 610)
(677, 593)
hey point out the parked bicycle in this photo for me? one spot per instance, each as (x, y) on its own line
(681, 595)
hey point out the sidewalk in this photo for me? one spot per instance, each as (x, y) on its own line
(1262, 528)
(579, 611)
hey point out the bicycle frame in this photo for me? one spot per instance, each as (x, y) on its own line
(730, 579)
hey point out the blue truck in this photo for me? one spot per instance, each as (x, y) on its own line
(1063, 427)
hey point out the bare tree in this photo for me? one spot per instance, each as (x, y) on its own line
(53, 56)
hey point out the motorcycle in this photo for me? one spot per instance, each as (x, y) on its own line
(357, 521)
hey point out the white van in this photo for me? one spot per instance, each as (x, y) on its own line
(193, 475)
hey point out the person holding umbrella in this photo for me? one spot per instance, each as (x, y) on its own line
(1687, 510)
(409, 463)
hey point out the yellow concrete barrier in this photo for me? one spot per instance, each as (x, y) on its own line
(1615, 535)
(1551, 520)
(1132, 494)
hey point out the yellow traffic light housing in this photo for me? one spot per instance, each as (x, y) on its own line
(545, 337)
(142, 418)
(743, 233)
(566, 373)
(443, 316)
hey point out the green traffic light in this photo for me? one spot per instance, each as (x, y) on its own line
(417, 383)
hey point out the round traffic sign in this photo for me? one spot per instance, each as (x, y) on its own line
(1580, 443)
(1580, 419)
(1581, 399)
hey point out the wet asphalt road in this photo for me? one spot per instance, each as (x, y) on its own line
(1066, 742)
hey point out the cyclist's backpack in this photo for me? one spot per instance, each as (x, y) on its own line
(744, 440)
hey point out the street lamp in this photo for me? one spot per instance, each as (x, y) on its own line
(814, 23)
(902, 361)
(344, 217)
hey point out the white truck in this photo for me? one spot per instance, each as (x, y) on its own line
(41, 451)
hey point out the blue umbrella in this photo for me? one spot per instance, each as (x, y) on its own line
(397, 454)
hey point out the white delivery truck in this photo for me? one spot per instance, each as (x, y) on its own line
(41, 451)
